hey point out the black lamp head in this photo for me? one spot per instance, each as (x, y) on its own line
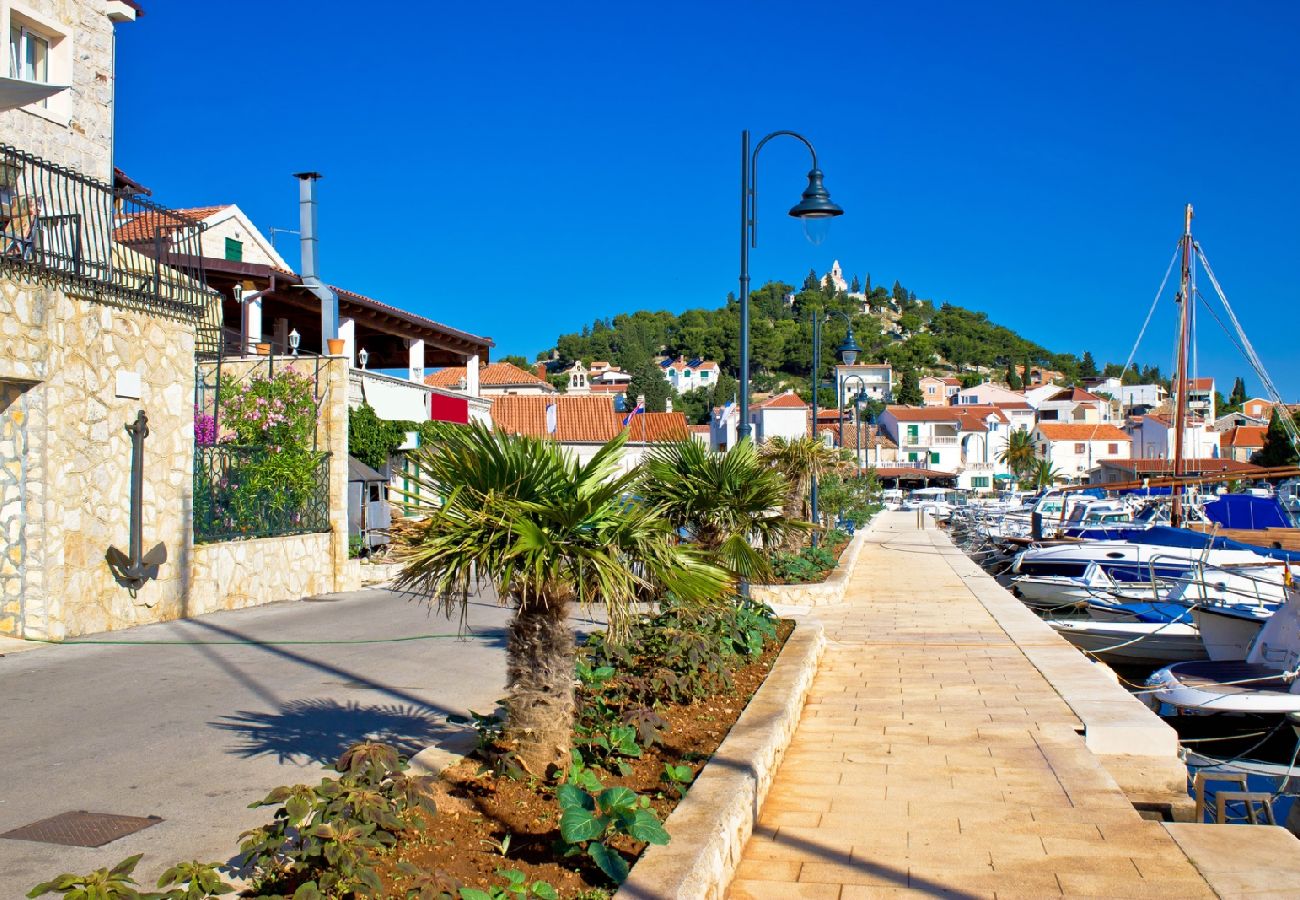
(816, 202)
(848, 350)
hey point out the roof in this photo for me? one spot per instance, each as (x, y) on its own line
(123, 182)
(1190, 466)
(924, 413)
(788, 400)
(911, 472)
(1076, 394)
(142, 226)
(700, 429)
(1073, 432)
(975, 418)
(1200, 384)
(359, 471)
(409, 317)
(497, 374)
(1010, 404)
(1244, 436)
(952, 382)
(582, 419)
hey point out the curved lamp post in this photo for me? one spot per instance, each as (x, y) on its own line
(814, 209)
(859, 401)
(847, 351)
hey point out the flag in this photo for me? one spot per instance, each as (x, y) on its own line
(640, 408)
(551, 418)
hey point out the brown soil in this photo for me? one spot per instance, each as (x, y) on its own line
(477, 810)
(836, 550)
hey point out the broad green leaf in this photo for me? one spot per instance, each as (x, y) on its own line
(577, 825)
(609, 861)
(544, 890)
(645, 826)
(571, 796)
(616, 798)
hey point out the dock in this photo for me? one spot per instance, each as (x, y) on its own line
(954, 745)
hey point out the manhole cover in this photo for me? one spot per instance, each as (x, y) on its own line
(81, 829)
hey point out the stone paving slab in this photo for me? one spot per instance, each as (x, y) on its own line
(935, 758)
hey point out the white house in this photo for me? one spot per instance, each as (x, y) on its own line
(1075, 448)
(877, 379)
(1074, 405)
(966, 441)
(724, 426)
(1154, 438)
(1200, 397)
(1141, 397)
(1020, 414)
(582, 424)
(986, 394)
(1036, 395)
(783, 415)
(687, 376)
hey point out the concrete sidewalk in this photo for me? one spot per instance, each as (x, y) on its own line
(935, 758)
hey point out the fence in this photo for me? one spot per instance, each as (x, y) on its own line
(252, 492)
(62, 226)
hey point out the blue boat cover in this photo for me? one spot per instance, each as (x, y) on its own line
(1164, 536)
(1247, 511)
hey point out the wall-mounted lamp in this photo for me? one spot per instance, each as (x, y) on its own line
(295, 339)
(363, 357)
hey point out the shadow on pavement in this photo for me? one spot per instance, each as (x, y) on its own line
(319, 729)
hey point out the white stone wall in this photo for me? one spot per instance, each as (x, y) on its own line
(76, 127)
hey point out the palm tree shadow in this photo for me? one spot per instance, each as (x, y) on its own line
(319, 730)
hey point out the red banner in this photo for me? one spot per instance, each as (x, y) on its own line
(449, 409)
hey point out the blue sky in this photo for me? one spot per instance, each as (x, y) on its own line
(520, 169)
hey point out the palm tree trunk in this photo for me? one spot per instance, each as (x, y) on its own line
(794, 510)
(540, 703)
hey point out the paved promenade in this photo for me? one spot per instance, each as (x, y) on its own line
(934, 758)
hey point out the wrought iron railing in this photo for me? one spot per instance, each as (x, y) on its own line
(257, 492)
(59, 225)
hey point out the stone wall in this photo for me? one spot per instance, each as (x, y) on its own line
(824, 593)
(75, 127)
(75, 460)
(13, 500)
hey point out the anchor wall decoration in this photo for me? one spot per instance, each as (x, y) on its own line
(133, 570)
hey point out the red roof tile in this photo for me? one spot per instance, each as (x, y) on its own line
(788, 400)
(582, 419)
(1244, 436)
(497, 374)
(142, 226)
(924, 413)
(1074, 432)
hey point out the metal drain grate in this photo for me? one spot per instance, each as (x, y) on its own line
(81, 829)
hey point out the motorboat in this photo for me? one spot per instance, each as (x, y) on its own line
(1133, 642)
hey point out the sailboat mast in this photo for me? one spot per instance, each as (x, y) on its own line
(1180, 375)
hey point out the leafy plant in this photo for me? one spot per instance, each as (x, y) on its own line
(194, 881)
(428, 884)
(516, 886)
(588, 820)
(677, 778)
(501, 845)
(102, 884)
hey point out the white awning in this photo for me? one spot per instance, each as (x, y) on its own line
(14, 92)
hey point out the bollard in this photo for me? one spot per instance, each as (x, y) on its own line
(920, 519)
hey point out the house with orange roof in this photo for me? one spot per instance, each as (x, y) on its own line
(1154, 437)
(966, 441)
(1242, 442)
(781, 415)
(936, 391)
(583, 424)
(984, 394)
(494, 380)
(1075, 448)
(1075, 405)
(1200, 397)
(687, 375)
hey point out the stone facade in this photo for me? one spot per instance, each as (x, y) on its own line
(75, 127)
(62, 358)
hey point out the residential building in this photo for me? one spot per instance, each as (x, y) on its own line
(1074, 449)
(1137, 399)
(1039, 376)
(1108, 385)
(1112, 471)
(985, 394)
(724, 426)
(583, 424)
(1036, 395)
(876, 379)
(963, 441)
(1232, 420)
(494, 380)
(1020, 415)
(702, 433)
(1154, 437)
(782, 415)
(602, 373)
(1242, 442)
(936, 391)
(687, 375)
(1074, 405)
(1200, 397)
(1258, 408)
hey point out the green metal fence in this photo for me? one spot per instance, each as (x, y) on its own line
(255, 492)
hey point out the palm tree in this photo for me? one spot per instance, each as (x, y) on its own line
(800, 460)
(545, 531)
(1044, 474)
(1019, 454)
(722, 501)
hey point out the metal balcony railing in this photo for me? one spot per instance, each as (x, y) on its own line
(921, 440)
(61, 226)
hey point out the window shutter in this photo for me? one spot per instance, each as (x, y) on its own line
(234, 250)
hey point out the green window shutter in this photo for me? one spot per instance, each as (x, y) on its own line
(234, 250)
(934, 457)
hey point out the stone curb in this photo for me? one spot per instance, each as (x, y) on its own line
(712, 824)
(822, 593)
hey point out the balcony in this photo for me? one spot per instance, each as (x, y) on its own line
(920, 440)
(398, 399)
(67, 229)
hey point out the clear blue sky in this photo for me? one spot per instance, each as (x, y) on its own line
(520, 169)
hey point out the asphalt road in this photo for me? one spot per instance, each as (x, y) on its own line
(195, 730)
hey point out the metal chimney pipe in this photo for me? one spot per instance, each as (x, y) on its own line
(329, 301)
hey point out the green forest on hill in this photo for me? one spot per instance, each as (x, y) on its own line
(916, 336)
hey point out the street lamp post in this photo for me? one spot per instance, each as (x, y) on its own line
(814, 209)
(847, 351)
(862, 393)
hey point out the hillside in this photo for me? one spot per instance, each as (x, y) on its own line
(915, 335)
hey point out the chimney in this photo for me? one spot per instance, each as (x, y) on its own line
(668, 404)
(329, 301)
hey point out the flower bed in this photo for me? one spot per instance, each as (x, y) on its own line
(810, 565)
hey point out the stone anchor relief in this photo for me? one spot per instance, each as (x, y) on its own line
(134, 569)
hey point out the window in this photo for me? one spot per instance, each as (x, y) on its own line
(934, 457)
(29, 55)
(1080, 448)
(1112, 448)
(234, 250)
(704, 376)
(1049, 414)
(911, 457)
(979, 481)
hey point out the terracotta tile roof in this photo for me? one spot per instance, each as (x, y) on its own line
(1244, 436)
(1200, 384)
(701, 429)
(577, 419)
(910, 472)
(952, 382)
(497, 374)
(1077, 394)
(924, 413)
(1190, 466)
(582, 419)
(1073, 432)
(788, 400)
(141, 227)
(1011, 405)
